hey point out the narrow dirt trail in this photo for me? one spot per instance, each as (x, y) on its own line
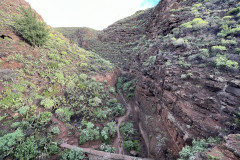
(63, 135)
(63, 129)
(118, 142)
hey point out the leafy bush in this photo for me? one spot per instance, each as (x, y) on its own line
(237, 50)
(197, 146)
(117, 110)
(234, 11)
(44, 118)
(95, 102)
(101, 114)
(89, 133)
(216, 49)
(204, 53)
(28, 26)
(64, 114)
(51, 148)
(107, 148)
(9, 141)
(109, 131)
(127, 130)
(10, 99)
(151, 60)
(55, 130)
(196, 23)
(75, 154)
(222, 61)
(131, 145)
(28, 149)
(235, 31)
(229, 42)
(179, 42)
(48, 103)
(23, 110)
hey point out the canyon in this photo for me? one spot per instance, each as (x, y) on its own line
(169, 74)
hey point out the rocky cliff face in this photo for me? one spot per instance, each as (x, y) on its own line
(185, 57)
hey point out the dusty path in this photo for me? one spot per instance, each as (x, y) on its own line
(63, 129)
(118, 142)
(63, 135)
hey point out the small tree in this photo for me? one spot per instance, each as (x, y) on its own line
(32, 31)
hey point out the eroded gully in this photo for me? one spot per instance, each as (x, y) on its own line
(118, 143)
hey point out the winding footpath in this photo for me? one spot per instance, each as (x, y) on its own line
(118, 143)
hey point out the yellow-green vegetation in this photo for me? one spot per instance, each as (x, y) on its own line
(54, 76)
(179, 42)
(196, 23)
(197, 147)
(33, 31)
(222, 61)
(129, 133)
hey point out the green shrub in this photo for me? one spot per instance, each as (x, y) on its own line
(197, 146)
(228, 42)
(64, 114)
(234, 11)
(95, 102)
(28, 26)
(222, 61)
(217, 49)
(179, 42)
(28, 149)
(107, 148)
(101, 114)
(75, 154)
(9, 141)
(23, 110)
(44, 118)
(197, 5)
(51, 148)
(224, 30)
(117, 110)
(48, 103)
(196, 23)
(131, 145)
(109, 131)
(89, 133)
(204, 53)
(55, 130)
(127, 130)
(151, 60)
(10, 99)
(235, 31)
(183, 76)
(63, 53)
(237, 50)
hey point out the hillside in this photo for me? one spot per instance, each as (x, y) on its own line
(184, 56)
(55, 94)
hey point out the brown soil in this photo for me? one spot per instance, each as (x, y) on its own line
(118, 142)
(110, 78)
(220, 152)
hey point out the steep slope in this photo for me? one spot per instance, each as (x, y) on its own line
(185, 58)
(53, 93)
